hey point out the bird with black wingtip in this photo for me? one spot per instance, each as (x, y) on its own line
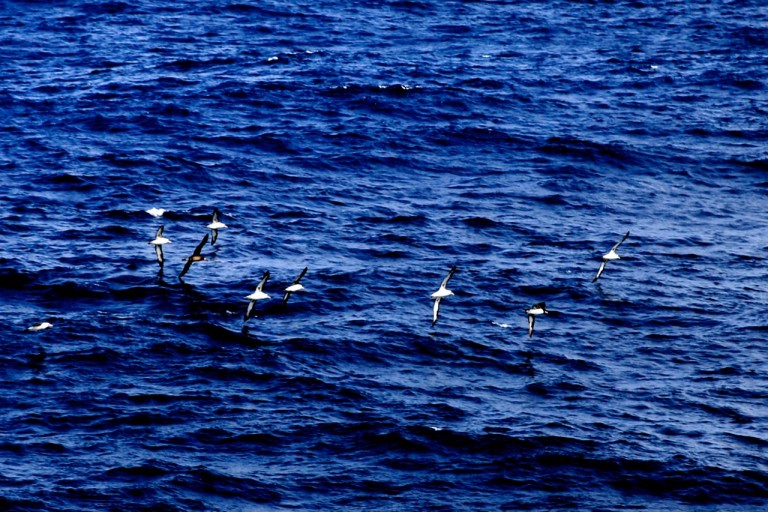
(609, 256)
(537, 309)
(196, 256)
(256, 296)
(295, 286)
(215, 226)
(158, 242)
(441, 293)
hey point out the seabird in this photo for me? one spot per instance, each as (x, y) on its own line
(537, 309)
(158, 242)
(39, 327)
(196, 256)
(257, 295)
(440, 293)
(295, 286)
(611, 255)
(215, 226)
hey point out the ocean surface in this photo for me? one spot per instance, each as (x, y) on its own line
(379, 143)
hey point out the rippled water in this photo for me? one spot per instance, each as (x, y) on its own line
(380, 143)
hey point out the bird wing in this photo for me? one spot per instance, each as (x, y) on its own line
(599, 271)
(200, 246)
(285, 297)
(448, 277)
(159, 232)
(248, 310)
(620, 241)
(215, 216)
(159, 253)
(214, 235)
(296, 281)
(186, 267)
(263, 280)
(435, 310)
(531, 323)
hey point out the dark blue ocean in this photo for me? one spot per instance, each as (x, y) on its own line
(379, 143)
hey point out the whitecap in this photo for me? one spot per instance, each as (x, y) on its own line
(39, 327)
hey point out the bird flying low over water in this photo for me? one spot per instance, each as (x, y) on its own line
(610, 255)
(539, 308)
(215, 226)
(295, 286)
(158, 242)
(257, 295)
(196, 256)
(441, 292)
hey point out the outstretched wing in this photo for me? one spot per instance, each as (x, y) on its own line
(214, 236)
(159, 232)
(200, 246)
(435, 311)
(303, 272)
(620, 241)
(448, 277)
(531, 323)
(263, 280)
(186, 267)
(285, 297)
(599, 271)
(159, 254)
(248, 310)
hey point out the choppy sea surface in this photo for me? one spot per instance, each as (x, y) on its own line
(379, 143)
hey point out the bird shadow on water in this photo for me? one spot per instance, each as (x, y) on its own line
(247, 337)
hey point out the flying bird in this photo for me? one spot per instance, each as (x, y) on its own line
(441, 292)
(295, 286)
(215, 226)
(196, 256)
(158, 242)
(537, 309)
(257, 295)
(610, 255)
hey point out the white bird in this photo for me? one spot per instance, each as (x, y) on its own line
(196, 256)
(441, 292)
(537, 309)
(158, 242)
(295, 286)
(609, 256)
(257, 295)
(215, 226)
